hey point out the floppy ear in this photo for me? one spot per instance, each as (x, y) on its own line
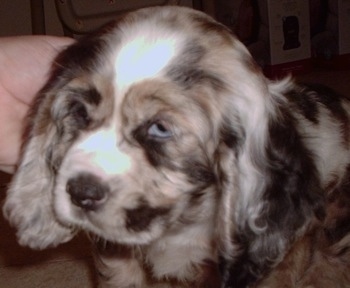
(270, 190)
(29, 202)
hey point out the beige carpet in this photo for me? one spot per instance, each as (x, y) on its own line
(70, 265)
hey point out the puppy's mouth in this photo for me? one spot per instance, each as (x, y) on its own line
(90, 205)
(140, 218)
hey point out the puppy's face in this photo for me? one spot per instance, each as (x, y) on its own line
(126, 138)
(137, 132)
(137, 164)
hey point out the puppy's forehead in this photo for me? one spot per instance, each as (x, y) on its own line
(143, 57)
(145, 45)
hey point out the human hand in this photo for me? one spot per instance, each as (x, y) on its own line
(25, 63)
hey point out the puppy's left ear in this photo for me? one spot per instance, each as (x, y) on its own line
(269, 191)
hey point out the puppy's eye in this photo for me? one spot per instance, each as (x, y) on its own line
(80, 114)
(159, 130)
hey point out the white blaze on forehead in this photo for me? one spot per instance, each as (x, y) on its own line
(101, 150)
(143, 58)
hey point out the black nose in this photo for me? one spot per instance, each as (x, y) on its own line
(87, 191)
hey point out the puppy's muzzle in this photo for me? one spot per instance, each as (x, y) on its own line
(87, 191)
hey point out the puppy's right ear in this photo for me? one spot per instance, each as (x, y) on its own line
(29, 202)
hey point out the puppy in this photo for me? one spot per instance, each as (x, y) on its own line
(161, 137)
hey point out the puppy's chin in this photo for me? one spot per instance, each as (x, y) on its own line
(113, 233)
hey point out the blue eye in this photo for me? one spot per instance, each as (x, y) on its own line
(159, 130)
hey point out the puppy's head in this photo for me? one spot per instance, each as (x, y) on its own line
(126, 137)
